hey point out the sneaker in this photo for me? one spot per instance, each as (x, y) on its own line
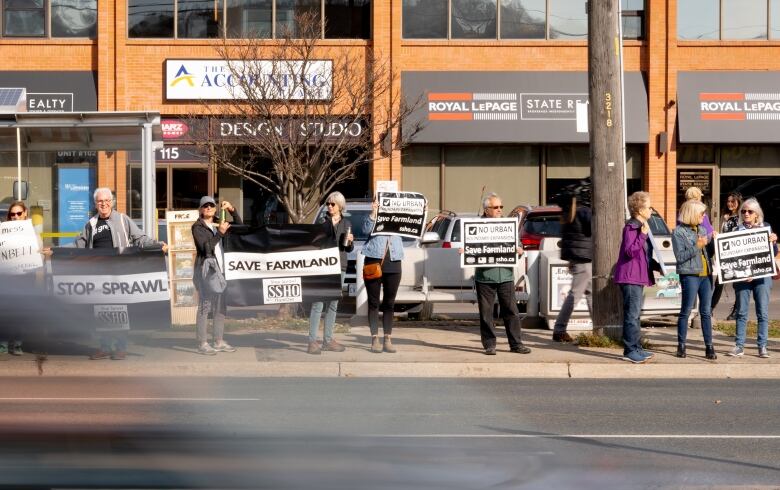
(314, 348)
(333, 346)
(763, 353)
(636, 357)
(119, 355)
(16, 349)
(100, 354)
(490, 351)
(224, 347)
(737, 351)
(562, 337)
(520, 349)
(206, 350)
(646, 354)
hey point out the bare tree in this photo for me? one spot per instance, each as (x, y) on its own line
(315, 112)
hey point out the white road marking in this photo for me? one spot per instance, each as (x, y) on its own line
(123, 399)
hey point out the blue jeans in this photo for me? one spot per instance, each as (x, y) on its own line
(633, 295)
(330, 319)
(693, 286)
(113, 341)
(761, 289)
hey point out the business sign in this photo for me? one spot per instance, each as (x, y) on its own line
(54, 91)
(729, 106)
(489, 242)
(744, 254)
(267, 79)
(510, 107)
(400, 213)
(119, 290)
(278, 264)
(74, 200)
(173, 154)
(49, 102)
(19, 248)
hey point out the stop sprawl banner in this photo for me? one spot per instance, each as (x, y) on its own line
(280, 264)
(118, 290)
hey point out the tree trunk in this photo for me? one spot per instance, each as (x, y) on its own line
(607, 155)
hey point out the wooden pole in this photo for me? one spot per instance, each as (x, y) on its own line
(606, 160)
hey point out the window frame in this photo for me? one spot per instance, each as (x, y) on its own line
(720, 37)
(47, 34)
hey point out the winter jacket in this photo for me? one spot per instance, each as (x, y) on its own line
(576, 238)
(336, 235)
(687, 254)
(206, 241)
(634, 259)
(124, 233)
(376, 244)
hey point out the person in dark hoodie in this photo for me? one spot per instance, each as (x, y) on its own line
(577, 249)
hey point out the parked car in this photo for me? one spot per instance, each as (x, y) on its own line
(539, 222)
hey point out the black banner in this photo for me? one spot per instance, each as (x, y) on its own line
(117, 290)
(279, 264)
(489, 242)
(744, 254)
(400, 213)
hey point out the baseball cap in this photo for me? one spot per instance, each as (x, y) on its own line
(207, 200)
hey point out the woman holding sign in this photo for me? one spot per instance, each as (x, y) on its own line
(382, 269)
(751, 216)
(689, 241)
(339, 230)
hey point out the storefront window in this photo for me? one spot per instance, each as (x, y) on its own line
(744, 19)
(523, 19)
(698, 19)
(568, 19)
(150, 18)
(250, 19)
(24, 18)
(473, 19)
(199, 18)
(774, 21)
(728, 19)
(425, 19)
(286, 12)
(347, 19)
(74, 18)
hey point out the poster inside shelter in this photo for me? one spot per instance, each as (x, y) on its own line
(489, 242)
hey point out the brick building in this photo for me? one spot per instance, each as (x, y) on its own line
(702, 93)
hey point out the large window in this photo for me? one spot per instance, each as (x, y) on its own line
(49, 18)
(728, 19)
(245, 19)
(509, 19)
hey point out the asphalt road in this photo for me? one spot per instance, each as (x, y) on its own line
(388, 433)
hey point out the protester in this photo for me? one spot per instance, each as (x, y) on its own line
(112, 229)
(492, 281)
(339, 231)
(634, 271)
(577, 249)
(207, 232)
(17, 211)
(729, 223)
(388, 252)
(694, 193)
(752, 216)
(689, 241)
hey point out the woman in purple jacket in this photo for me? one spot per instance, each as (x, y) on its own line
(633, 272)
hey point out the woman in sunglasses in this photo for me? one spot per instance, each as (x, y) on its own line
(207, 233)
(729, 223)
(751, 216)
(339, 231)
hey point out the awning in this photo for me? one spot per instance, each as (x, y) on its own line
(728, 107)
(510, 107)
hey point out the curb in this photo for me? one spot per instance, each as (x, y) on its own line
(276, 369)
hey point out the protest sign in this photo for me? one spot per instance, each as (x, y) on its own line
(19, 247)
(489, 242)
(120, 290)
(400, 213)
(280, 264)
(743, 254)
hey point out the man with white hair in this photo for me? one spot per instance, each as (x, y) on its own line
(112, 229)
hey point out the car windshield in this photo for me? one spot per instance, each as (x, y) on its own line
(544, 224)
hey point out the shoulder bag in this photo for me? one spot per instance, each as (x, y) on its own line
(213, 279)
(374, 271)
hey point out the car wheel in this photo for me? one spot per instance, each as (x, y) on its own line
(425, 313)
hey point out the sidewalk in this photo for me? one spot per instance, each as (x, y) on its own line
(445, 348)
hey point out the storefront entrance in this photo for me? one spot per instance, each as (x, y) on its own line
(706, 178)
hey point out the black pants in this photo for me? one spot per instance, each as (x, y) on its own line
(486, 294)
(390, 282)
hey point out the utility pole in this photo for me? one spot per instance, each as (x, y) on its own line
(607, 156)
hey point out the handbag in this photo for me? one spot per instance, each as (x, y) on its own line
(374, 271)
(213, 279)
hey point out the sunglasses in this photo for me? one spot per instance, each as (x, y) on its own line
(208, 205)
(330, 204)
(748, 211)
(16, 214)
(495, 207)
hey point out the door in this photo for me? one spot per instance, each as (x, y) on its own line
(706, 178)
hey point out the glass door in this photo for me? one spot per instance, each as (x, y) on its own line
(707, 179)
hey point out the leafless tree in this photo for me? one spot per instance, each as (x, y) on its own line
(315, 112)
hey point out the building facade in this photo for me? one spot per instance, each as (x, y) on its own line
(498, 80)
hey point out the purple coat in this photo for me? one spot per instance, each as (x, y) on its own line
(633, 265)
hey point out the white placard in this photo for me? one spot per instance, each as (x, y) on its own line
(19, 247)
(128, 288)
(247, 265)
(490, 242)
(743, 254)
(282, 290)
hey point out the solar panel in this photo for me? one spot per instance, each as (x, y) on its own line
(12, 99)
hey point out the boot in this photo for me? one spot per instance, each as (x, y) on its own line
(389, 345)
(709, 352)
(681, 350)
(376, 347)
